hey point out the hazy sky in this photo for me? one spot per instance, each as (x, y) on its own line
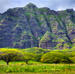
(52, 4)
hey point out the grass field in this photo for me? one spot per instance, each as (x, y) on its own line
(36, 68)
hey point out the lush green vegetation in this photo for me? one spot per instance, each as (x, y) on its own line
(56, 57)
(37, 60)
(38, 54)
(35, 67)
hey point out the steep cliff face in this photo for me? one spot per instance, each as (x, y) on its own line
(33, 27)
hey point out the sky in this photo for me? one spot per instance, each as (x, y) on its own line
(52, 4)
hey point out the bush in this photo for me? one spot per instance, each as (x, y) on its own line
(55, 57)
(72, 57)
(29, 56)
(36, 50)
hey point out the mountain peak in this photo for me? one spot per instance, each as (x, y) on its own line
(31, 5)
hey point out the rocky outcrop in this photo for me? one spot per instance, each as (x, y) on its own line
(36, 27)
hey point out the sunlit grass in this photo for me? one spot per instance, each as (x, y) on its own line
(36, 67)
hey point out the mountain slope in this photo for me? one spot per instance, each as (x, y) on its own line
(25, 27)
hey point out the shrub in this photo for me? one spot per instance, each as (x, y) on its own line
(55, 57)
(29, 56)
(72, 57)
(36, 50)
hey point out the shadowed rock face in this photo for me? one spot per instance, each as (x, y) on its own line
(33, 27)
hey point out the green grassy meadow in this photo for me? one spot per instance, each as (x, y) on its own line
(44, 66)
(36, 68)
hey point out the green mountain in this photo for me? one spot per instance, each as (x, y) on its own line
(31, 26)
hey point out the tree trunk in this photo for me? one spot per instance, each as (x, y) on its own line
(26, 61)
(7, 63)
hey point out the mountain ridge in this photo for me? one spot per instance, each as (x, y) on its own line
(31, 4)
(25, 27)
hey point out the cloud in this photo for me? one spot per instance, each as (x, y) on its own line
(3, 5)
(52, 4)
